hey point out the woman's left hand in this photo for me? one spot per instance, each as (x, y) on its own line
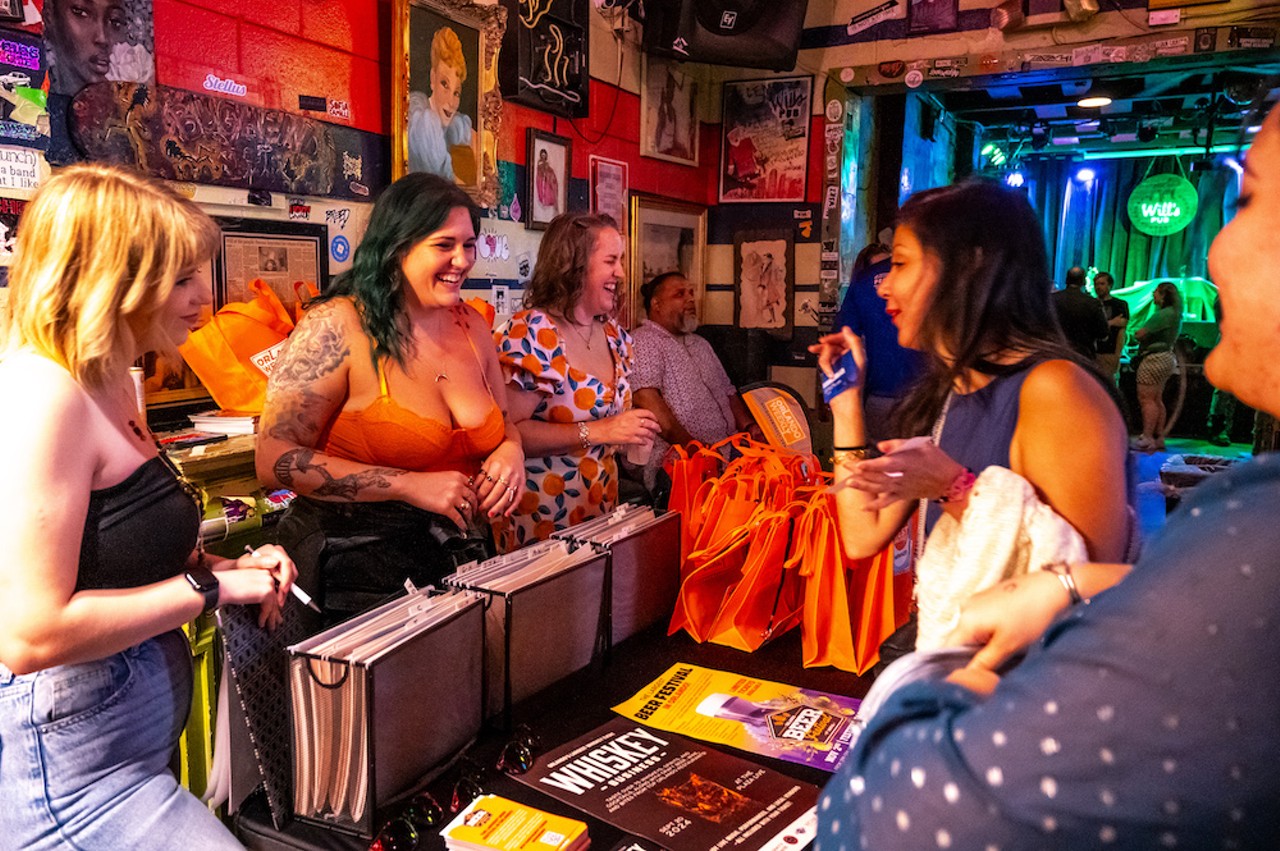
(500, 481)
(276, 562)
(910, 469)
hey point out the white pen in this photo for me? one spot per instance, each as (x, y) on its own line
(303, 597)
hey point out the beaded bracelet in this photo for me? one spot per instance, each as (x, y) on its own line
(584, 435)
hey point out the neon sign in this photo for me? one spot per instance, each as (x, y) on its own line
(1163, 205)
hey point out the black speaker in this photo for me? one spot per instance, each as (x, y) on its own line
(743, 33)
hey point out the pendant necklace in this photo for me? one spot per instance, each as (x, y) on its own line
(586, 341)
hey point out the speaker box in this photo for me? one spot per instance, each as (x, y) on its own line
(743, 33)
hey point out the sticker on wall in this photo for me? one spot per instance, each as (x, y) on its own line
(835, 109)
(1206, 39)
(224, 86)
(914, 78)
(299, 210)
(514, 210)
(493, 246)
(337, 217)
(340, 248)
(889, 10)
(20, 168)
(893, 69)
(806, 229)
(846, 75)
(10, 211)
(340, 109)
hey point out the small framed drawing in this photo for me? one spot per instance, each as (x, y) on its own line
(445, 106)
(764, 146)
(669, 127)
(764, 279)
(609, 189)
(546, 177)
(932, 16)
(666, 236)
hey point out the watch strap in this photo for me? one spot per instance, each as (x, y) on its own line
(203, 580)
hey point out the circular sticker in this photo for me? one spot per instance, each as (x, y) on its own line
(1163, 204)
(834, 110)
(340, 248)
(846, 75)
(914, 78)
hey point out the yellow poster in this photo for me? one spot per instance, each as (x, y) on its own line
(759, 716)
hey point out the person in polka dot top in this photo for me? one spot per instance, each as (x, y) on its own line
(1143, 716)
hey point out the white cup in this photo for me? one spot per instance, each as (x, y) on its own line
(637, 454)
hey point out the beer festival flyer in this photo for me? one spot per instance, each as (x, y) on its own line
(813, 728)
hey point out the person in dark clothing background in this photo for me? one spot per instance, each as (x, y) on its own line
(1080, 314)
(1117, 314)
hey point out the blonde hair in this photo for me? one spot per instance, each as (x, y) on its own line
(446, 48)
(99, 251)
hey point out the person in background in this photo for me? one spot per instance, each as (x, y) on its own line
(1079, 314)
(568, 363)
(891, 367)
(101, 566)
(387, 413)
(1117, 314)
(678, 376)
(1156, 363)
(1101, 737)
(1222, 405)
(969, 287)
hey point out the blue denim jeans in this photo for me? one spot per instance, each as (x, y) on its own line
(85, 752)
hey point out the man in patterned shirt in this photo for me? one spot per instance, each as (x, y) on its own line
(677, 375)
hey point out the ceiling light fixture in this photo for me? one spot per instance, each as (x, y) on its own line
(1094, 102)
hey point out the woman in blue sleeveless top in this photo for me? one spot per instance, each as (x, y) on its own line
(969, 287)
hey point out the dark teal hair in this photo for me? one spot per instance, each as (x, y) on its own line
(411, 209)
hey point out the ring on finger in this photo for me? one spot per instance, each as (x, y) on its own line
(464, 506)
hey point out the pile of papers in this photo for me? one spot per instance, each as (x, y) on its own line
(494, 823)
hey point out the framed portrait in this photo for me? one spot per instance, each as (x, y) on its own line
(764, 279)
(292, 258)
(764, 144)
(11, 10)
(546, 177)
(123, 49)
(446, 106)
(669, 126)
(932, 16)
(609, 189)
(666, 236)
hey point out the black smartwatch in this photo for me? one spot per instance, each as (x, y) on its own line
(203, 580)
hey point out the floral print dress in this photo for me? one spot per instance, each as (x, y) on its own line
(562, 490)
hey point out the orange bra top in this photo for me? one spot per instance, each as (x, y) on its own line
(387, 435)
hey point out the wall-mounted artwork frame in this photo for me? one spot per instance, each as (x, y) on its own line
(925, 17)
(764, 278)
(764, 143)
(446, 112)
(609, 184)
(666, 236)
(669, 125)
(11, 10)
(281, 253)
(547, 165)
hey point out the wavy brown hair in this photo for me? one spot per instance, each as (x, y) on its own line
(560, 273)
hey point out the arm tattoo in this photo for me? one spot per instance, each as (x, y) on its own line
(299, 419)
(346, 488)
(316, 348)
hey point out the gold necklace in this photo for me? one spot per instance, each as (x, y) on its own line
(586, 341)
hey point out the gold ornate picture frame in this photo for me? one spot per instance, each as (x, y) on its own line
(446, 107)
(666, 236)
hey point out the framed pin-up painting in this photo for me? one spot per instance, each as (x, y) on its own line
(666, 236)
(446, 106)
(546, 177)
(764, 278)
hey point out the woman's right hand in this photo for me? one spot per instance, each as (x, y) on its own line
(247, 586)
(449, 494)
(634, 427)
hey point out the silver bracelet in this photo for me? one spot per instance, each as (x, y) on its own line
(584, 434)
(1062, 570)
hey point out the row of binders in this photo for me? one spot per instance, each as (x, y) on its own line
(383, 699)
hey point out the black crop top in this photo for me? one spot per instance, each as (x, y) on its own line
(137, 532)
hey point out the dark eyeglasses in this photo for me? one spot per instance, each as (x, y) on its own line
(404, 832)
(468, 787)
(517, 755)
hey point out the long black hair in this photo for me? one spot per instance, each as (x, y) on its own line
(411, 209)
(992, 296)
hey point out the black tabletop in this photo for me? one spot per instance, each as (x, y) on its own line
(575, 706)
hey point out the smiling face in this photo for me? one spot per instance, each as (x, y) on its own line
(908, 288)
(86, 31)
(603, 277)
(1242, 262)
(182, 311)
(437, 265)
(446, 91)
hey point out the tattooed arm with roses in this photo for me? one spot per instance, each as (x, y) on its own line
(309, 387)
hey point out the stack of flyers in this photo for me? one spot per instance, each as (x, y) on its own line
(494, 823)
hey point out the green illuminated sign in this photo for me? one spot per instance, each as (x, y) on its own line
(1163, 204)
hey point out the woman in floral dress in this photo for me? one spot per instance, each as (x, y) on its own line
(568, 364)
